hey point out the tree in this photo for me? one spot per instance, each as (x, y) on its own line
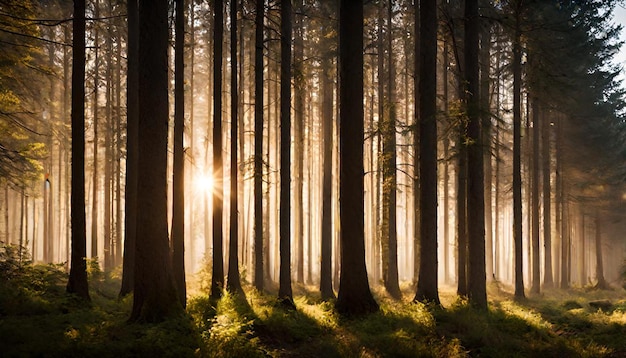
(132, 148)
(389, 167)
(326, 280)
(258, 146)
(217, 278)
(178, 197)
(155, 295)
(517, 139)
(233, 281)
(354, 296)
(427, 283)
(475, 179)
(78, 271)
(284, 291)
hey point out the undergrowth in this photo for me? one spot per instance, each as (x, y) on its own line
(37, 318)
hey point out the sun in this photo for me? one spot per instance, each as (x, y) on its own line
(203, 183)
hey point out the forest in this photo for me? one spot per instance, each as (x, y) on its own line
(312, 178)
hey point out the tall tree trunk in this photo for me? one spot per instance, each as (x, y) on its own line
(461, 210)
(602, 284)
(284, 291)
(298, 69)
(258, 146)
(355, 297)
(475, 180)
(217, 277)
(155, 296)
(178, 195)
(77, 282)
(132, 149)
(388, 128)
(108, 154)
(96, 80)
(565, 231)
(548, 281)
(536, 279)
(233, 280)
(485, 114)
(326, 281)
(517, 168)
(427, 286)
(416, 145)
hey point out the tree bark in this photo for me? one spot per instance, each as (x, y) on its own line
(355, 297)
(284, 291)
(475, 180)
(178, 196)
(536, 279)
(258, 146)
(132, 149)
(77, 282)
(233, 279)
(548, 281)
(155, 296)
(217, 277)
(427, 286)
(517, 169)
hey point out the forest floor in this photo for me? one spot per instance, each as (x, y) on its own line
(37, 319)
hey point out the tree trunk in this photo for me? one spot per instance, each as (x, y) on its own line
(258, 146)
(354, 296)
(217, 277)
(284, 291)
(326, 281)
(536, 279)
(485, 115)
(427, 286)
(416, 146)
(94, 200)
(132, 149)
(77, 282)
(517, 168)
(233, 280)
(602, 284)
(548, 281)
(155, 296)
(178, 196)
(475, 179)
(389, 223)
(298, 64)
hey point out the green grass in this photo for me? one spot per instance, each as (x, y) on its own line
(38, 319)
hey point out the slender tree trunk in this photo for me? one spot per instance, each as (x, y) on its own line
(299, 88)
(132, 149)
(326, 281)
(284, 291)
(548, 281)
(427, 286)
(475, 180)
(178, 196)
(77, 282)
(217, 277)
(354, 296)
(390, 235)
(233, 280)
(485, 115)
(602, 284)
(536, 278)
(258, 146)
(565, 231)
(517, 169)
(416, 146)
(107, 155)
(96, 80)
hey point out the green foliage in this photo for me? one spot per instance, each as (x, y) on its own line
(560, 323)
(26, 288)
